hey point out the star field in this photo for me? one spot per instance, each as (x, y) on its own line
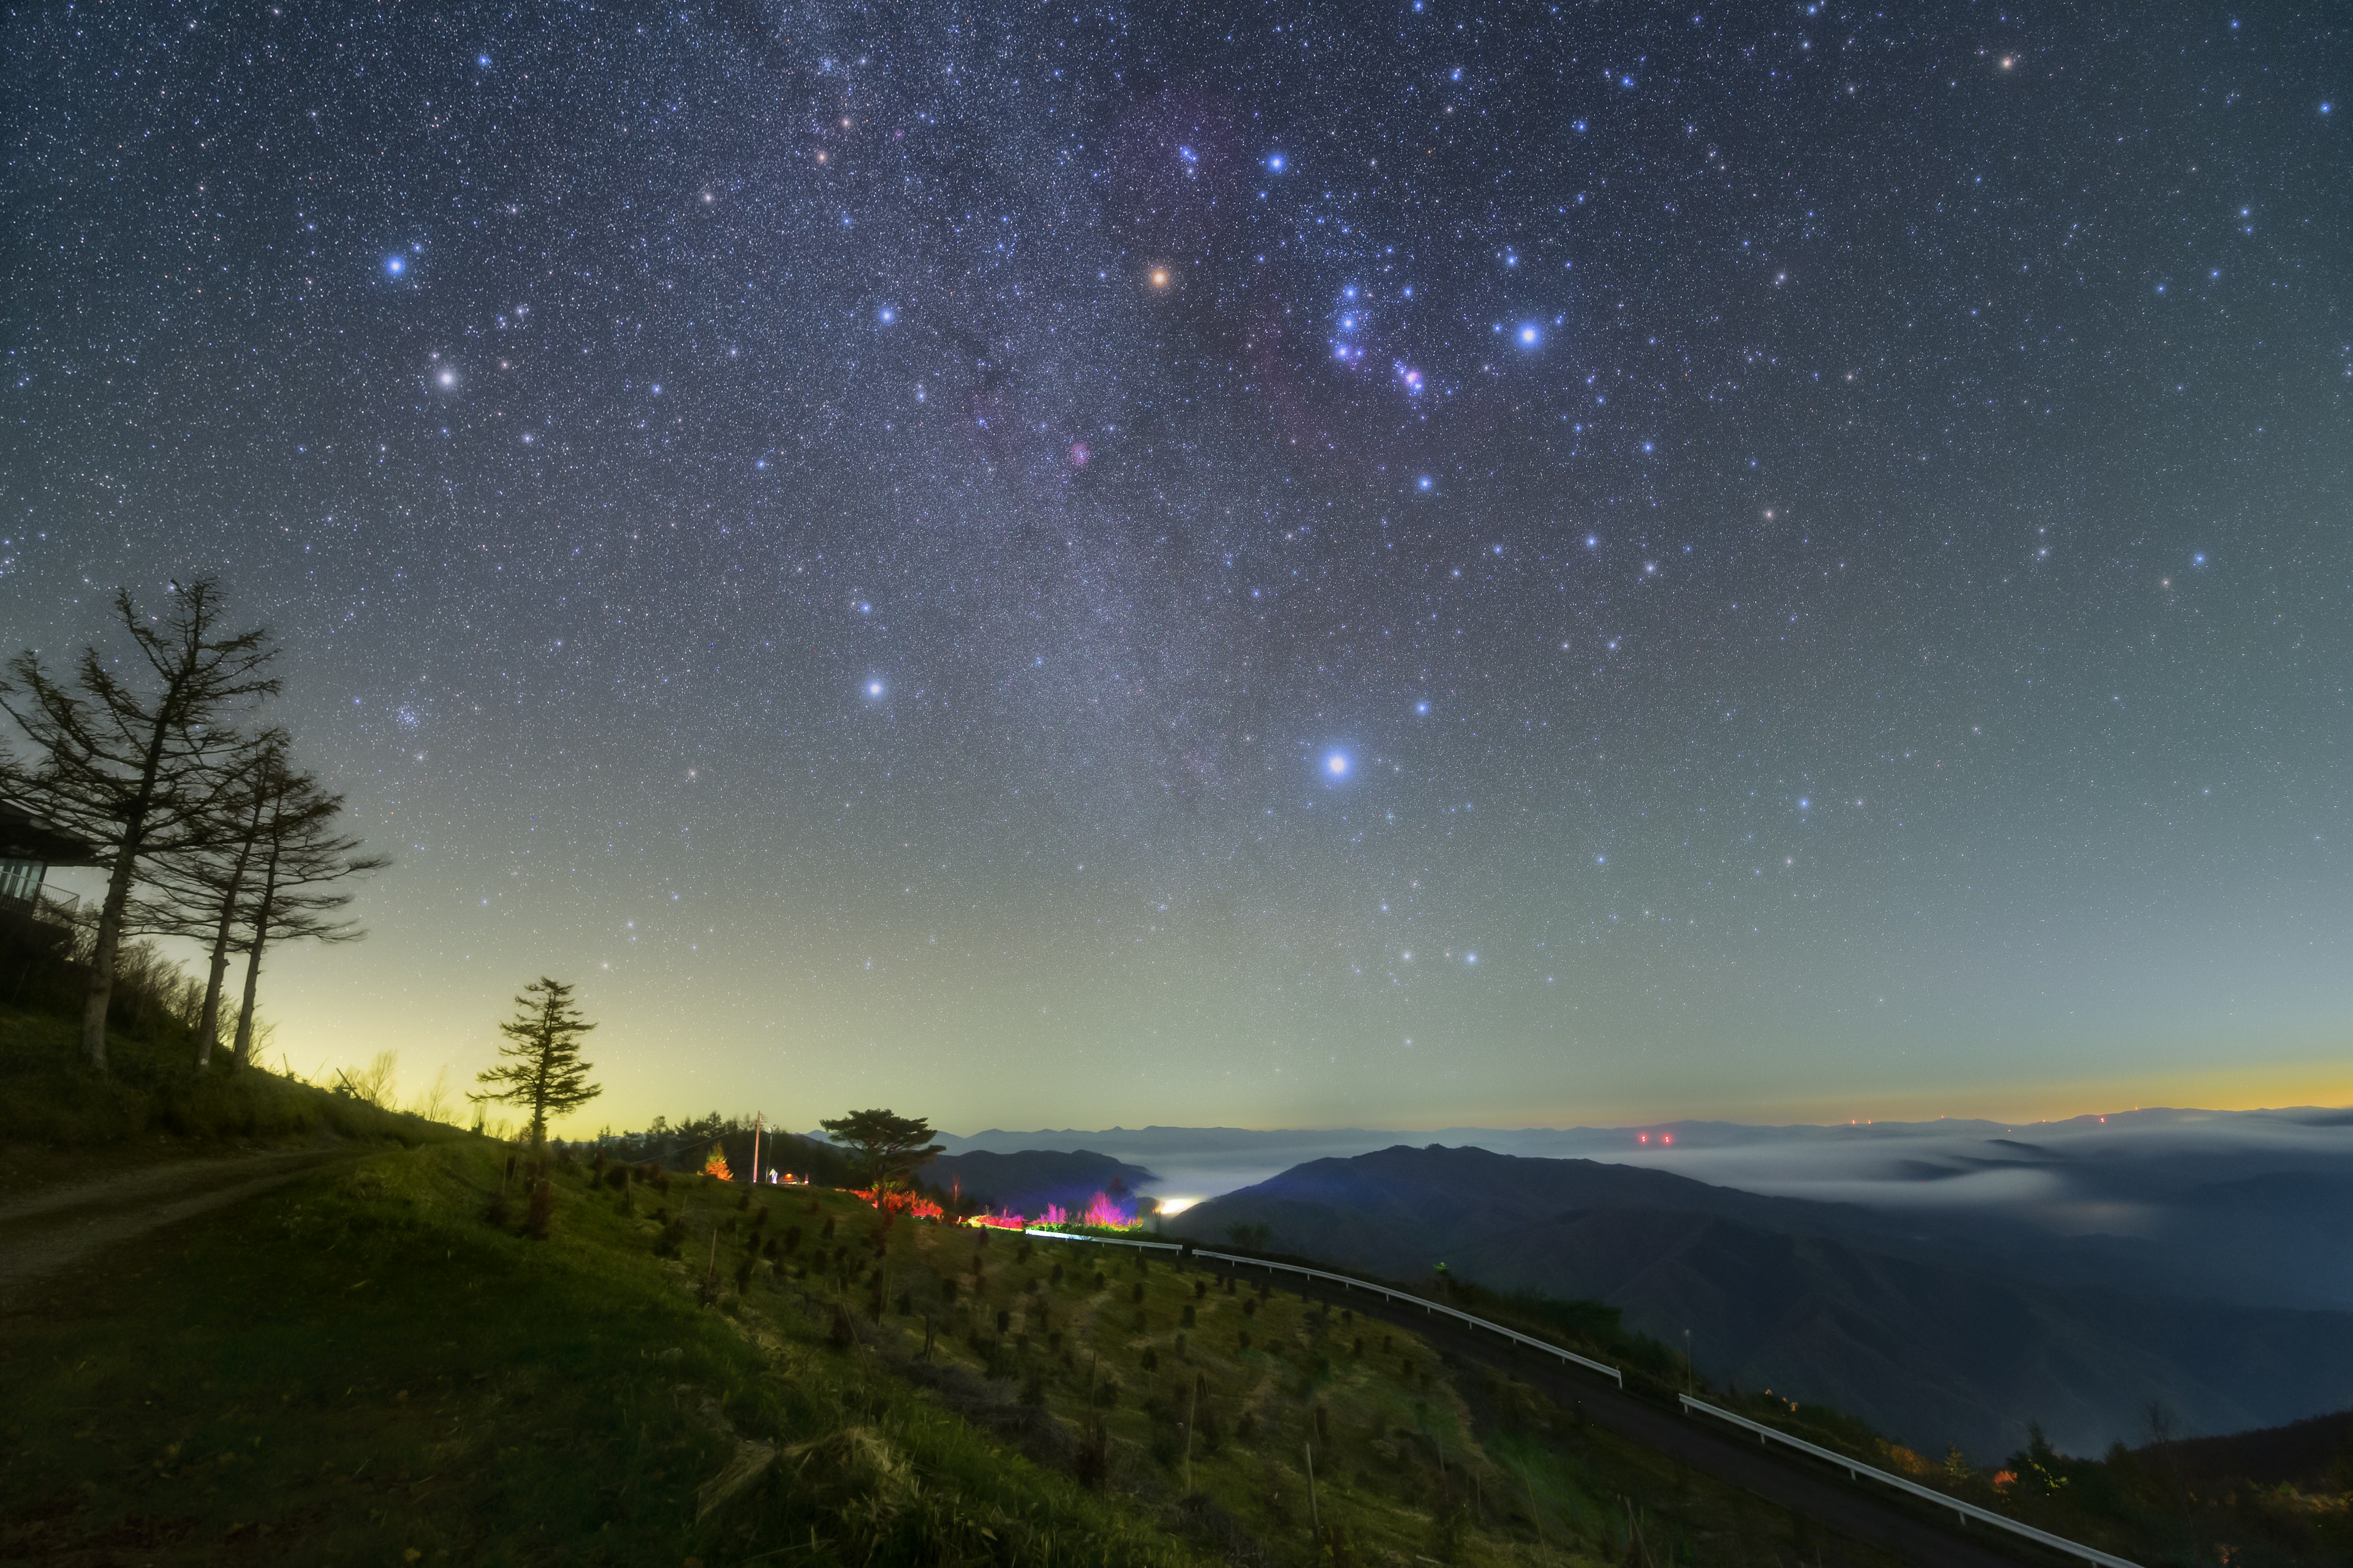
(1269, 564)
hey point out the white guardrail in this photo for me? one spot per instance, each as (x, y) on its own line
(1856, 1470)
(1348, 1283)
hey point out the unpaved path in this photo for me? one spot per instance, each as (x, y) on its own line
(50, 1231)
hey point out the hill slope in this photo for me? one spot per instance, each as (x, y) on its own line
(1821, 1300)
(364, 1365)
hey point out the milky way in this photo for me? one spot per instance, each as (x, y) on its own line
(1284, 563)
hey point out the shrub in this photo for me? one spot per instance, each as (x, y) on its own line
(541, 1212)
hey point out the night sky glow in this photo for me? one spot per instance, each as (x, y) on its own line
(1275, 564)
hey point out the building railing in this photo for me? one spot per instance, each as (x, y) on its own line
(45, 904)
(1856, 1470)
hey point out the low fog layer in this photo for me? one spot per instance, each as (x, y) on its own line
(2236, 1205)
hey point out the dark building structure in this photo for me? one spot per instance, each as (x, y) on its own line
(28, 847)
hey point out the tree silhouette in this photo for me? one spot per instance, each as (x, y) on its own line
(887, 1146)
(200, 891)
(300, 860)
(541, 1067)
(137, 769)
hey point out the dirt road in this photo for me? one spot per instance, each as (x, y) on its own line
(50, 1231)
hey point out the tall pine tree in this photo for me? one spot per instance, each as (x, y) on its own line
(541, 1065)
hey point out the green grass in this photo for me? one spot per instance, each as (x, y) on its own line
(151, 1090)
(363, 1366)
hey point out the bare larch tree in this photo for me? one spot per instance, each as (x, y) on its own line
(137, 766)
(303, 864)
(200, 892)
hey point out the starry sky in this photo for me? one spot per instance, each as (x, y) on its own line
(1395, 564)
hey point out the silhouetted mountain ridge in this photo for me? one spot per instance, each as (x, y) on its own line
(1903, 1318)
(1029, 1180)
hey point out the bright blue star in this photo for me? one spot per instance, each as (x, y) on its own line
(1275, 164)
(395, 266)
(1422, 483)
(1422, 707)
(1530, 336)
(484, 61)
(1336, 766)
(887, 315)
(874, 688)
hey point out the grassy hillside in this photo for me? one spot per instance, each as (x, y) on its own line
(151, 1090)
(370, 1367)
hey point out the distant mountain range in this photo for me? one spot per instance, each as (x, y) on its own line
(2254, 1208)
(1951, 1323)
(1028, 1180)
